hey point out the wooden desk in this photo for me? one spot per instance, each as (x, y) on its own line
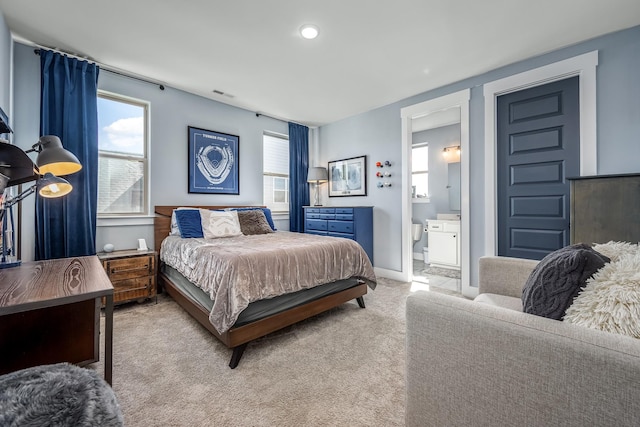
(51, 313)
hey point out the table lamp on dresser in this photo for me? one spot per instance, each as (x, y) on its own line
(317, 175)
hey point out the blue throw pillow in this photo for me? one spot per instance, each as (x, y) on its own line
(267, 214)
(189, 223)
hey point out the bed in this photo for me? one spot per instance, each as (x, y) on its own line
(256, 318)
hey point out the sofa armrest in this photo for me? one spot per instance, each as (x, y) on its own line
(475, 364)
(503, 275)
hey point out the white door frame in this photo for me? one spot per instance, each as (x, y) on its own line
(583, 66)
(457, 99)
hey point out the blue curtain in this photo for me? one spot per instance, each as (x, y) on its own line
(298, 166)
(66, 226)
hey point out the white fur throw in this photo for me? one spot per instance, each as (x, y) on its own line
(611, 299)
(613, 250)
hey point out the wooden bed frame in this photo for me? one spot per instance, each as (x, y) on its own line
(237, 338)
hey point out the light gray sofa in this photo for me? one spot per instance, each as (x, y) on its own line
(479, 363)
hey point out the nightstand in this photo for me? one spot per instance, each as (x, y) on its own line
(132, 273)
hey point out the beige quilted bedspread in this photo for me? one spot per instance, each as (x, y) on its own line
(236, 271)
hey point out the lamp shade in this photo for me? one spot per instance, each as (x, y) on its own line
(54, 158)
(16, 165)
(317, 174)
(51, 186)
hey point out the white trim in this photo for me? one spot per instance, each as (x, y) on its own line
(121, 221)
(461, 100)
(583, 66)
(389, 274)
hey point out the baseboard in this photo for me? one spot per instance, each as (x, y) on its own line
(389, 274)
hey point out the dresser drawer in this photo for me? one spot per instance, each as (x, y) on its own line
(343, 235)
(344, 217)
(344, 211)
(316, 224)
(317, 232)
(341, 226)
(129, 268)
(327, 216)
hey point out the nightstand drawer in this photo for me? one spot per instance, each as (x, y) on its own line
(137, 283)
(128, 268)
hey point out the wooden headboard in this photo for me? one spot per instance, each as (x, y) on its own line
(162, 220)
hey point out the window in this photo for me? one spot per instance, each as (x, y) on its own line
(275, 166)
(122, 156)
(420, 171)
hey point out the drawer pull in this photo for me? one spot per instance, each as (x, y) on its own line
(115, 270)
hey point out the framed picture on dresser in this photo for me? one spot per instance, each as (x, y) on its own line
(348, 177)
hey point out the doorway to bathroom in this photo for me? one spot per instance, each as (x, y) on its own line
(435, 188)
(435, 200)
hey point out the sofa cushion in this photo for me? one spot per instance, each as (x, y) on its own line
(512, 303)
(611, 299)
(557, 279)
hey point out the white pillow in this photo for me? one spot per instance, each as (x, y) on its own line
(175, 230)
(611, 299)
(220, 224)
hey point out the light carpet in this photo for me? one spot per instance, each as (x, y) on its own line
(345, 367)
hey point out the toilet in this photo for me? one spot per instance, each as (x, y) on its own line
(416, 232)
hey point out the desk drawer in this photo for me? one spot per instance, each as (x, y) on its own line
(341, 226)
(129, 268)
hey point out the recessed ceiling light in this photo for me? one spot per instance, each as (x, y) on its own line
(309, 31)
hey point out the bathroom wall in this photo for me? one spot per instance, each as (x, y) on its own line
(438, 139)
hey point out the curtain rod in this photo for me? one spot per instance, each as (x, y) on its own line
(283, 120)
(102, 66)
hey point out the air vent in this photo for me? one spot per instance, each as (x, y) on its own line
(219, 92)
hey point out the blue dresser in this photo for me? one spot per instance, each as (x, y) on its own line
(353, 222)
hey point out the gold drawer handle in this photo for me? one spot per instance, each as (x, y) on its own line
(113, 270)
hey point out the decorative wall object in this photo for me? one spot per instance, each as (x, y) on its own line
(385, 174)
(214, 164)
(348, 177)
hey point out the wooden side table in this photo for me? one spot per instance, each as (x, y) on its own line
(132, 273)
(51, 313)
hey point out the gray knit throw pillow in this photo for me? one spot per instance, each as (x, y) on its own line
(558, 278)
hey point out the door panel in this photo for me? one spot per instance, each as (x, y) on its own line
(538, 148)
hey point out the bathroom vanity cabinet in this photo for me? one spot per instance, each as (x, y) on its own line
(444, 243)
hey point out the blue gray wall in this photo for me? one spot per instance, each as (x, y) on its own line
(171, 111)
(377, 133)
(5, 66)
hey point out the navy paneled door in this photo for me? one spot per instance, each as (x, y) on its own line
(538, 137)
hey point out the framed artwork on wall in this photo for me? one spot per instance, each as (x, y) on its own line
(214, 163)
(348, 177)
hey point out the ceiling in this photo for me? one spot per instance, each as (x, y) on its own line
(368, 54)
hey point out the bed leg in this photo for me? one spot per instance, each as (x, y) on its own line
(237, 354)
(360, 301)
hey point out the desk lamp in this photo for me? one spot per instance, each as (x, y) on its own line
(17, 168)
